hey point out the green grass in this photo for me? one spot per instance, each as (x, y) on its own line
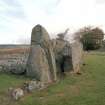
(85, 89)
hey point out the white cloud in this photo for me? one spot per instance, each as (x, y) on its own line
(18, 18)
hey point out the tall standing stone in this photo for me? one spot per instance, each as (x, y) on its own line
(41, 62)
(77, 54)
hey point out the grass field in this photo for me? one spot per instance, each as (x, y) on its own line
(85, 89)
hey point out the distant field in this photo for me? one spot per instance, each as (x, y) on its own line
(3, 46)
(13, 50)
(10, 49)
(85, 89)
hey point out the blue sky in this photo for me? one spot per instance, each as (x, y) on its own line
(17, 17)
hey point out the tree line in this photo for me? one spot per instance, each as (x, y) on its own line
(91, 37)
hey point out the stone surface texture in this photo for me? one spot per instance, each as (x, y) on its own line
(41, 61)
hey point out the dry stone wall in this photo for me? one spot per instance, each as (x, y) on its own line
(13, 60)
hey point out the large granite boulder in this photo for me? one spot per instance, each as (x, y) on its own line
(17, 69)
(41, 61)
(37, 66)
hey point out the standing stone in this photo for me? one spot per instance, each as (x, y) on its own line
(62, 50)
(41, 61)
(77, 55)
